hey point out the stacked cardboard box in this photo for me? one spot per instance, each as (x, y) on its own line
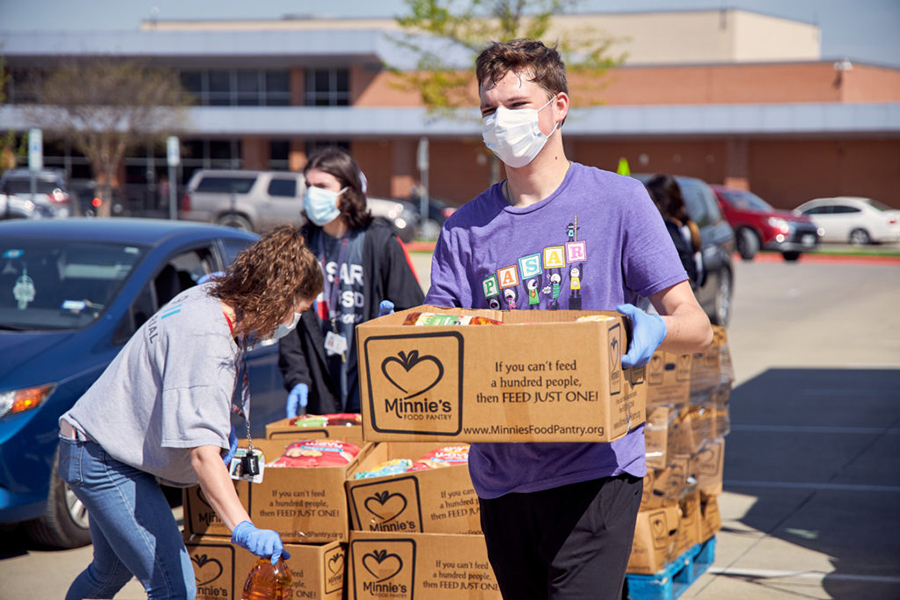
(308, 509)
(687, 420)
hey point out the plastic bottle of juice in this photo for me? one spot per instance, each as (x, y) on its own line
(268, 582)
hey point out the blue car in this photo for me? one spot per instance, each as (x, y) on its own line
(72, 292)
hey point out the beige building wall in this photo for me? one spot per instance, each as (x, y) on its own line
(701, 36)
(756, 37)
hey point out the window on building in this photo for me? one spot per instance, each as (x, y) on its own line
(279, 155)
(238, 87)
(327, 87)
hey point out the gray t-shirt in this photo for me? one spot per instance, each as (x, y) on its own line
(169, 390)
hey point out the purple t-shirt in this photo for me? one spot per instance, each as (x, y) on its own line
(594, 243)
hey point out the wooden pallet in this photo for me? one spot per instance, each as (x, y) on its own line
(675, 578)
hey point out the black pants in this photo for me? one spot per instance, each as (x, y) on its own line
(566, 543)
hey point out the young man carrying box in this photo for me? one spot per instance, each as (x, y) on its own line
(559, 518)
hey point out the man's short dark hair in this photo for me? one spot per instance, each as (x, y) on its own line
(543, 65)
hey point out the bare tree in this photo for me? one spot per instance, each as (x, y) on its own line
(470, 25)
(105, 107)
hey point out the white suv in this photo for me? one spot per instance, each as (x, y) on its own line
(251, 200)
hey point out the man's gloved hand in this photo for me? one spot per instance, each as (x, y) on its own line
(385, 308)
(298, 398)
(232, 447)
(261, 542)
(647, 333)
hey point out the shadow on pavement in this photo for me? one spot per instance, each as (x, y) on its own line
(819, 449)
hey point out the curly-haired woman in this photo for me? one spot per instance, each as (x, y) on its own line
(364, 264)
(161, 411)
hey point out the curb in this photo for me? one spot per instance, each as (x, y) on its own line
(775, 257)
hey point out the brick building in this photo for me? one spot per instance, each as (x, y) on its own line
(728, 96)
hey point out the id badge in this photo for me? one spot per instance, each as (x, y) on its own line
(335, 343)
(248, 467)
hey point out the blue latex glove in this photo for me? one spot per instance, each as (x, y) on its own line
(298, 398)
(385, 308)
(261, 542)
(647, 333)
(233, 444)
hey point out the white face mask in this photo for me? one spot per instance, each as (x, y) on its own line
(282, 329)
(320, 205)
(514, 135)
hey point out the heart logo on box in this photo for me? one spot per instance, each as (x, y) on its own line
(386, 505)
(382, 565)
(207, 570)
(411, 370)
(336, 564)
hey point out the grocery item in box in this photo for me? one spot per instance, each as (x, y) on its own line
(329, 420)
(429, 318)
(317, 453)
(443, 457)
(394, 466)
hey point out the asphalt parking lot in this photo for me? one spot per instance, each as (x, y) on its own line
(812, 464)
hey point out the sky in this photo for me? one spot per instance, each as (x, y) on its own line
(862, 30)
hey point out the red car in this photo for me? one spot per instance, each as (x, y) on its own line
(757, 225)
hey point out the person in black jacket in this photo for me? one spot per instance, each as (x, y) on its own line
(363, 263)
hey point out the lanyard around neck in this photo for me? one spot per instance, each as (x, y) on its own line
(332, 289)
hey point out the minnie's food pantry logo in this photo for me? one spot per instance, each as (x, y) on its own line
(387, 506)
(383, 569)
(415, 382)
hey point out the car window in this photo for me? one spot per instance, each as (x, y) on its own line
(843, 209)
(231, 248)
(283, 187)
(816, 210)
(181, 272)
(746, 200)
(877, 205)
(697, 207)
(60, 284)
(23, 186)
(225, 185)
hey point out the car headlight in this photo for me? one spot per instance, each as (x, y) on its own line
(779, 224)
(18, 401)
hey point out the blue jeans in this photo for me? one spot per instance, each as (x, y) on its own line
(132, 527)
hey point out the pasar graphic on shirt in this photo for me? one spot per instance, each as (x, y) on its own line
(547, 278)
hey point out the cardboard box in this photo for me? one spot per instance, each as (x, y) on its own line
(668, 379)
(664, 487)
(711, 519)
(284, 430)
(713, 367)
(221, 569)
(656, 435)
(690, 526)
(654, 540)
(539, 377)
(419, 566)
(291, 501)
(707, 466)
(434, 501)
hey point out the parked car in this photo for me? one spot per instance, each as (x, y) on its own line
(758, 225)
(16, 207)
(51, 190)
(249, 200)
(716, 288)
(87, 192)
(72, 292)
(438, 212)
(402, 216)
(852, 219)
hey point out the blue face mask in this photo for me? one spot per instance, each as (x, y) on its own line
(282, 329)
(320, 205)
